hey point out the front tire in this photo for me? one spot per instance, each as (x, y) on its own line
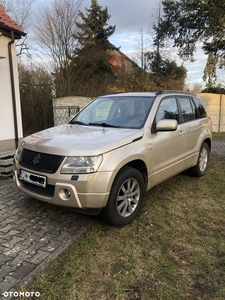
(201, 167)
(125, 198)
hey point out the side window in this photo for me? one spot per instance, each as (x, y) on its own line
(186, 109)
(167, 110)
(199, 108)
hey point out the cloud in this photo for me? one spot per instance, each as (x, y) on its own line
(129, 16)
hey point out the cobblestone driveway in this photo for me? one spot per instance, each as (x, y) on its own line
(218, 148)
(32, 233)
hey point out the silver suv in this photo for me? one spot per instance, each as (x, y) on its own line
(115, 149)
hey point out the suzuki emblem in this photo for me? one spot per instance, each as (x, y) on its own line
(36, 159)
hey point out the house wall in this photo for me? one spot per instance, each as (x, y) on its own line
(7, 129)
(120, 62)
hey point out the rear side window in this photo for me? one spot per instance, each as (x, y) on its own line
(187, 109)
(200, 110)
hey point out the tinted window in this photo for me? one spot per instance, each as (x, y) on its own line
(186, 109)
(201, 113)
(167, 110)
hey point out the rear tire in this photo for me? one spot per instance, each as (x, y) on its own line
(201, 167)
(125, 198)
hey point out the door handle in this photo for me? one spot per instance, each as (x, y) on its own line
(181, 133)
(149, 146)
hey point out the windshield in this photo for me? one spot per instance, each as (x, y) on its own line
(119, 112)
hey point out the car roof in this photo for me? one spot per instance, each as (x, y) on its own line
(131, 94)
(149, 94)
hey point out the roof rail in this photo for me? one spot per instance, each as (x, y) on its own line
(173, 91)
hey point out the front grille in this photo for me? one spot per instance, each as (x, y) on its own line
(41, 162)
(48, 191)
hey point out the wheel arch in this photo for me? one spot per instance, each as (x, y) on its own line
(139, 165)
(111, 213)
(208, 141)
(197, 170)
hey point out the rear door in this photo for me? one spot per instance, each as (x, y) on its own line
(194, 126)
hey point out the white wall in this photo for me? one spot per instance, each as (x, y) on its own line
(62, 107)
(72, 101)
(7, 130)
(215, 107)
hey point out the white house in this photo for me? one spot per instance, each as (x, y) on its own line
(10, 111)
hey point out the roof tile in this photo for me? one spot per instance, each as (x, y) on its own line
(8, 23)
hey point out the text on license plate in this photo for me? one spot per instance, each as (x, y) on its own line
(33, 178)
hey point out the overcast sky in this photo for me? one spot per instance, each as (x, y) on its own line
(131, 16)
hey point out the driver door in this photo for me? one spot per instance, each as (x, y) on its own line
(168, 147)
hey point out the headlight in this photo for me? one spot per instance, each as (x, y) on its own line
(19, 151)
(81, 164)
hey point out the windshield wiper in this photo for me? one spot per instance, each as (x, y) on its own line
(79, 123)
(105, 125)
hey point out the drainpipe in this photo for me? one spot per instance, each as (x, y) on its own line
(13, 88)
(220, 129)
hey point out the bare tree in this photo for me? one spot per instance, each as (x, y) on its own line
(194, 87)
(54, 32)
(20, 11)
(141, 49)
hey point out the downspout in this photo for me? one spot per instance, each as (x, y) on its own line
(220, 115)
(13, 88)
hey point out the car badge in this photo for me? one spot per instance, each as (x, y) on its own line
(36, 159)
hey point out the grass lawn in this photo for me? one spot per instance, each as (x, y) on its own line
(218, 135)
(175, 249)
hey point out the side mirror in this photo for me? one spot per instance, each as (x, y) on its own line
(167, 125)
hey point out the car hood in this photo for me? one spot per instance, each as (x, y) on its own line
(71, 140)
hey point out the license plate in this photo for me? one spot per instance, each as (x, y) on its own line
(33, 178)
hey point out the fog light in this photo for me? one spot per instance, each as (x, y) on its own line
(64, 194)
(67, 193)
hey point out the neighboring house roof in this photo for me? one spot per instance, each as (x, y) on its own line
(7, 25)
(120, 62)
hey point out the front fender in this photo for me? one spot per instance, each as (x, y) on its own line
(115, 160)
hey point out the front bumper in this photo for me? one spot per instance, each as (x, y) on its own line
(87, 191)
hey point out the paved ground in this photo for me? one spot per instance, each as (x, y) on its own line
(33, 233)
(218, 148)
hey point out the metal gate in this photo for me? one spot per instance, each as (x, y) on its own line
(62, 114)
